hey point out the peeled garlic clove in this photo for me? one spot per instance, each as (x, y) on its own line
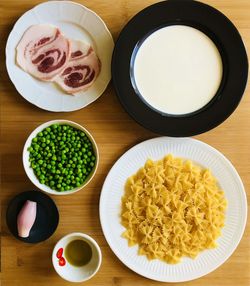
(26, 218)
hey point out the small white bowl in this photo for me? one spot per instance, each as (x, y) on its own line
(29, 171)
(74, 273)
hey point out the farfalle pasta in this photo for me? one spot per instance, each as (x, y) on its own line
(172, 208)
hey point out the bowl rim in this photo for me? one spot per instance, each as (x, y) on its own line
(34, 179)
(90, 240)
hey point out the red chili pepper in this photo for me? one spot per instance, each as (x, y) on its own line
(59, 253)
(62, 261)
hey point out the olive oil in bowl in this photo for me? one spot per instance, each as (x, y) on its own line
(78, 252)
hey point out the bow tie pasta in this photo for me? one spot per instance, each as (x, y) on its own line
(172, 208)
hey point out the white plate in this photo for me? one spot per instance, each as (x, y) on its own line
(200, 153)
(76, 22)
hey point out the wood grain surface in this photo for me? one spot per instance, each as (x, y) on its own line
(115, 132)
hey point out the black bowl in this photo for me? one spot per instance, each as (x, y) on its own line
(219, 29)
(47, 216)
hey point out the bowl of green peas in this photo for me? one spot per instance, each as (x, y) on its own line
(60, 157)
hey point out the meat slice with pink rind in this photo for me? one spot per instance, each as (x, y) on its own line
(81, 70)
(43, 51)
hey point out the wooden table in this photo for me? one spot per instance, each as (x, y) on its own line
(115, 132)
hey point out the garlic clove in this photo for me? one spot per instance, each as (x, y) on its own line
(26, 218)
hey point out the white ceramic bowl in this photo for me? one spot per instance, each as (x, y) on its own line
(73, 273)
(29, 171)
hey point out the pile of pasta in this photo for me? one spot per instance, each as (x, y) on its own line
(172, 208)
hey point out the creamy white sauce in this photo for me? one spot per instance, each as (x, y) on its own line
(177, 69)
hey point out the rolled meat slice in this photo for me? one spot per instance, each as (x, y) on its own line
(43, 51)
(82, 69)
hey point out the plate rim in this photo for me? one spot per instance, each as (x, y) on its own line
(51, 109)
(209, 147)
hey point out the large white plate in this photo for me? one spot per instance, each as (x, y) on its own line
(200, 153)
(76, 22)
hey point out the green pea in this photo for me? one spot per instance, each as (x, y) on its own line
(33, 165)
(30, 149)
